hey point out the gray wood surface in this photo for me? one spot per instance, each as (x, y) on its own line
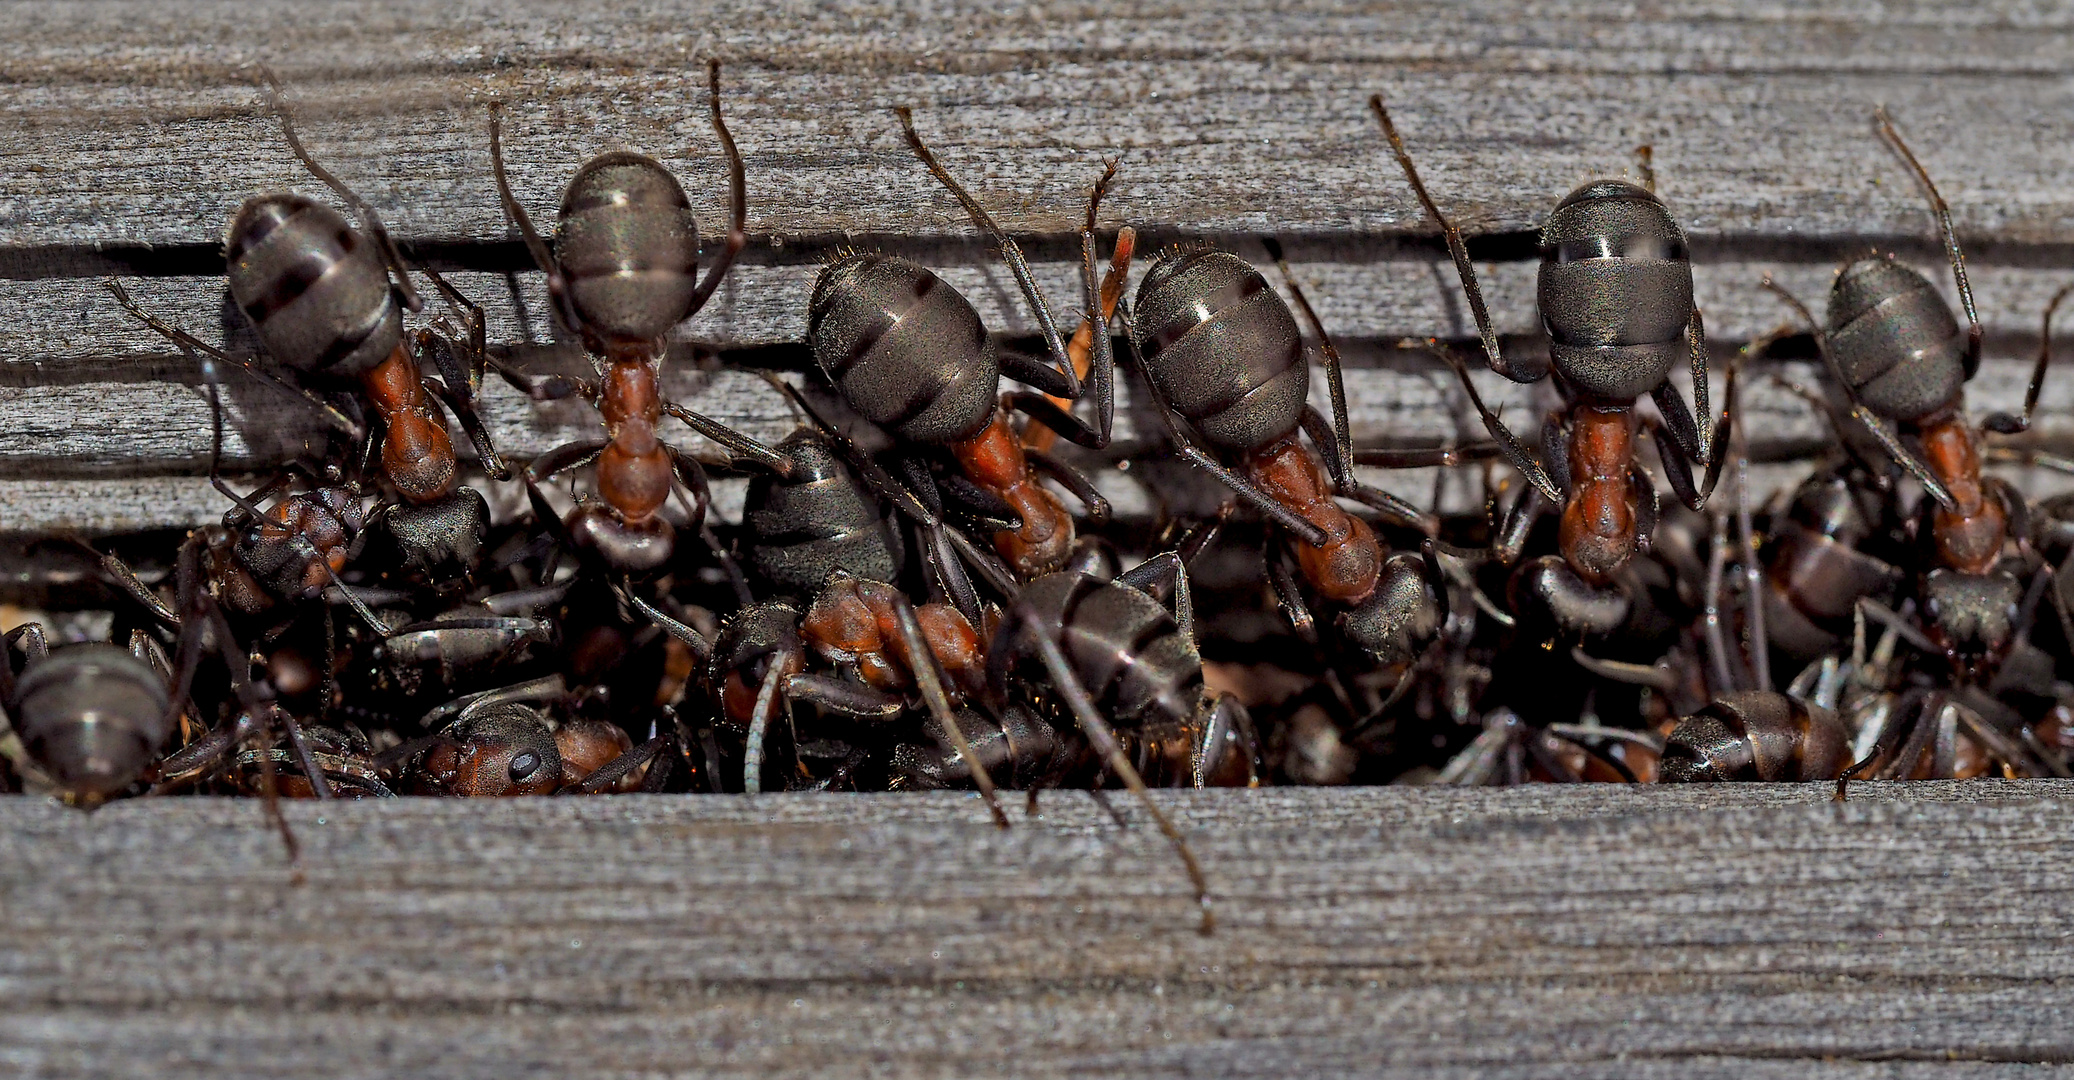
(135, 130)
(1760, 930)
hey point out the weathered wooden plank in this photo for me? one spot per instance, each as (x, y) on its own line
(1231, 124)
(1238, 118)
(1401, 932)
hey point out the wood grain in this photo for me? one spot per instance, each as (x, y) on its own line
(1406, 932)
(136, 130)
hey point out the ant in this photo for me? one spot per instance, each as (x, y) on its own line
(884, 645)
(1116, 658)
(91, 717)
(908, 353)
(1223, 356)
(1893, 346)
(1616, 298)
(327, 300)
(623, 270)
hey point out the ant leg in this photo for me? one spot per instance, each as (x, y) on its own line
(929, 678)
(988, 511)
(1053, 409)
(2010, 425)
(1288, 594)
(1882, 744)
(693, 477)
(1092, 357)
(1440, 457)
(35, 647)
(841, 696)
(947, 578)
(462, 410)
(610, 773)
(463, 378)
(1164, 577)
(1511, 541)
(1466, 271)
(1477, 763)
(1758, 636)
(2011, 754)
(1089, 718)
(701, 649)
(239, 663)
(1344, 483)
(1188, 448)
(1342, 431)
(1011, 255)
(1645, 167)
(1943, 214)
(204, 353)
(188, 762)
(738, 200)
(1516, 453)
(1920, 736)
(1675, 440)
(544, 387)
(1073, 480)
(1459, 251)
(547, 688)
(735, 578)
(1054, 418)
(563, 458)
(1648, 675)
(1717, 641)
(1904, 457)
(557, 285)
(127, 579)
(369, 220)
(736, 443)
(189, 594)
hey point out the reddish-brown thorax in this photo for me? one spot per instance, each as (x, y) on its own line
(993, 459)
(1597, 536)
(1347, 566)
(1968, 539)
(634, 469)
(854, 621)
(417, 454)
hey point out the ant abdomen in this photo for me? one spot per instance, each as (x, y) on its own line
(1815, 574)
(1400, 616)
(630, 546)
(1895, 340)
(1757, 735)
(628, 245)
(1615, 290)
(1221, 347)
(92, 717)
(1125, 646)
(317, 291)
(906, 350)
(799, 528)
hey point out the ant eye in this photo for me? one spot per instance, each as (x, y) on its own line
(524, 766)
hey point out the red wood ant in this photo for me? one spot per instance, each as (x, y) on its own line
(622, 272)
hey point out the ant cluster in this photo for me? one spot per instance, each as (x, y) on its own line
(931, 614)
